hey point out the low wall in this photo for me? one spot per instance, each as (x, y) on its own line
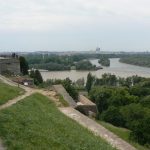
(62, 91)
(86, 106)
(12, 65)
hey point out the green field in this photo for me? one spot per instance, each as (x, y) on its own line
(122, 133)
(36, 123)
(8, 92)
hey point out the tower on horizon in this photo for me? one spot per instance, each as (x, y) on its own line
(98, 49)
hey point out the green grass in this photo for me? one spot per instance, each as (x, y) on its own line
(8, 92)
(36, 124)
(63, 101)
(123, 134)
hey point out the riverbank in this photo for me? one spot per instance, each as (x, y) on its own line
(116, 67)
(143, 61)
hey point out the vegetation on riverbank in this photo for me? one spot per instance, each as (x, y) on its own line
(67, 62)
(8, 92)
(104, 61)
(58, 63)
(124, 103)
(85, 65)
(36, 123)
(139, 60)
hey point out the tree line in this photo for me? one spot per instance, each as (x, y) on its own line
(139, 60)
(123, 102)
(67, 62)
(104, 61)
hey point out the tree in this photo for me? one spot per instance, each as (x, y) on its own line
(37, 77)
(80, 82)
(132, 113)
(32, 74)
(138, 121)
(145, 102)
(120, 97)
(23, 65)
(139, 90)
(67, 83)
(100, 96)
(141, 131)
(89, 81)
(113, 116)
(109, 79)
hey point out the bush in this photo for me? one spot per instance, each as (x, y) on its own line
(141, 131)
(113, 116)
(67, 83)
(100, 96)
(36, 75)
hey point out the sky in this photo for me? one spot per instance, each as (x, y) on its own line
(74, 25)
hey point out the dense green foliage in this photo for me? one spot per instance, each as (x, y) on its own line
(124, 102)
(89, 81)
(36, 75)
(51, 66)
(139, 60)
(23, 65)
(107, 79)
(104, 61)
(66, 62)
(67, 83)
(8, 92)
(85, 65)
(36, 123)
(63, 62)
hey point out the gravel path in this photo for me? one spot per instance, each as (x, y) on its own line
(97, 129)
(15, 100)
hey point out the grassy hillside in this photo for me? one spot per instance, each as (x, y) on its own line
(36, 123)
(8, 92)
(122, 133)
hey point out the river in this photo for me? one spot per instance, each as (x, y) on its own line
(117, 68)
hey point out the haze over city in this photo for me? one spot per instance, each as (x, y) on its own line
(74, 25)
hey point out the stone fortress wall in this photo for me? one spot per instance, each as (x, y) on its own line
(9, 64)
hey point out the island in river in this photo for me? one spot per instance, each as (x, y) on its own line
(116, 67)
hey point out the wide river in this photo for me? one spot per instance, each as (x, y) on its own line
(117, 68)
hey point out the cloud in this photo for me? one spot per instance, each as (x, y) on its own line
(75, 24)
(57, 14)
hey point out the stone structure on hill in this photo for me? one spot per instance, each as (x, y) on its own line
(9, 64)
(62, 91)
(86, 106)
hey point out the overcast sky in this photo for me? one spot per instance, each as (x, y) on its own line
(63, 25)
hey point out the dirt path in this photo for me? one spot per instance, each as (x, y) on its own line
(28, 92)
(97, 129)
(15, 100)
(11, 83)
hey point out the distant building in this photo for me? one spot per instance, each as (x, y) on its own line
(98, 50)
(9, 64)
